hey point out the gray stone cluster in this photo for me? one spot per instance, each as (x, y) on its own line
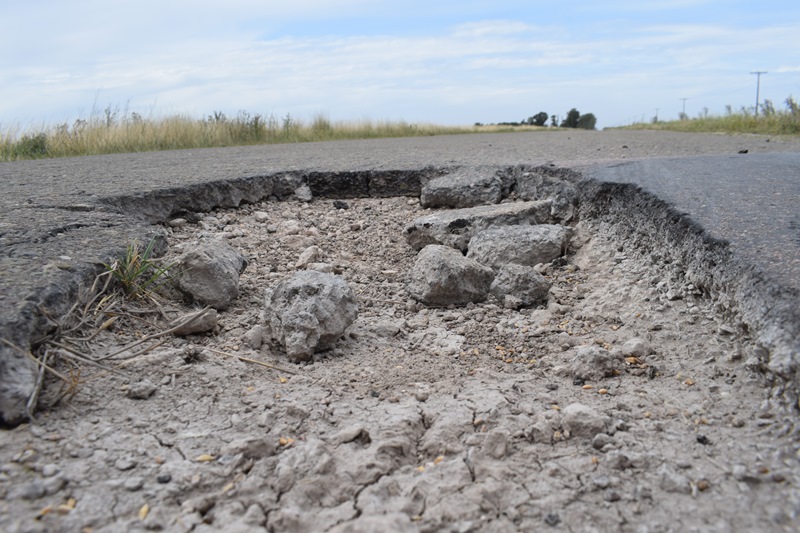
(502, 242)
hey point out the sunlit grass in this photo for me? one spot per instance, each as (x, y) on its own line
(115, 132)
(769, 121)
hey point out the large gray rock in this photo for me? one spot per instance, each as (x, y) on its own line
(546, 184)
(309, 312)
(456, 227)
(521, 282)
(17, 383)
(209, 274)
(463, 189)
(443, 276)
(524, 245)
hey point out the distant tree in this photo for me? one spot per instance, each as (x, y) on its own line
(587, 121)
(539, 119)
(572, 119)
(792, 107)
(554, 121)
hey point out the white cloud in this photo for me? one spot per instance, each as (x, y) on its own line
(492, 27)
(207, 60)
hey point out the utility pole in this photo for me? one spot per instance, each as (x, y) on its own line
(758, 74)
(683, 113)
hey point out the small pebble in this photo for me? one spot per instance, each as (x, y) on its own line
(177, 222)
(740, 473)
(600, 441)
(601, 482)
(421, 396)
(124, 464)
(133, 484)
(164, 478)
(141, 390)
(552, 519)
(50, 470)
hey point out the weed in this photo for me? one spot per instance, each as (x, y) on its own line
(136, 272)
(115, 130)
(32, 146)
(769, 121)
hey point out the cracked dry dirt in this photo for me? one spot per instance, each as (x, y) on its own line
(420, 419)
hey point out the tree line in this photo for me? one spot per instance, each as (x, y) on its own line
(574, 119)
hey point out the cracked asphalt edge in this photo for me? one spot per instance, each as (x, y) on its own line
(43, 277)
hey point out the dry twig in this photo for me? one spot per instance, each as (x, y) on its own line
(30, 407)
(74, 354)
(254, 361)
(148, 338)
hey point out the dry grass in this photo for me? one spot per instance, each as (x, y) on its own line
(115, 132)
(769, 121)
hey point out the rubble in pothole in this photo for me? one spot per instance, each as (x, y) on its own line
(619, 403)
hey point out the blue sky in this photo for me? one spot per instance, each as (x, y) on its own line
(421, 61)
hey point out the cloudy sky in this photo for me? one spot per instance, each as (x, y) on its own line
(446, 62)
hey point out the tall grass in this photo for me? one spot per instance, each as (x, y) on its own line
(769, 121)
(115, 132)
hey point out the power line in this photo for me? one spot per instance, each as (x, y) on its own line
(758, 74)
(683, 113)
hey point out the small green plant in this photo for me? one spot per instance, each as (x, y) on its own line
(32, 146)
(136, 272)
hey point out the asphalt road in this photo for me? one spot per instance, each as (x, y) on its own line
(749, 200)
(82, 180)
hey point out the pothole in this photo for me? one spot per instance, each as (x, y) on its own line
(432, 419)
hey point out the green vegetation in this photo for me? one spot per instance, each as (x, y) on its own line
(539, 120)
(136, 272)
(769, 121)
(116, 132)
